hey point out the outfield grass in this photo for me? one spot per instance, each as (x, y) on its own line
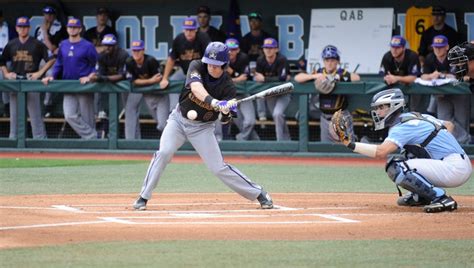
(33, 176)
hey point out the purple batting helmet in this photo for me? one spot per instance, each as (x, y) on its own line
(330, 52)
(216, 54)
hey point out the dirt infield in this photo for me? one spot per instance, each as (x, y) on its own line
(38, 220)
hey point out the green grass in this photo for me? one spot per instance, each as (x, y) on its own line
(362, 253)
(34, 176)
(28, 176)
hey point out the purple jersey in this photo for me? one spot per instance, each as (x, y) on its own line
(75, 60)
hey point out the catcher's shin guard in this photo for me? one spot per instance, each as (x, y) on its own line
(401, 175)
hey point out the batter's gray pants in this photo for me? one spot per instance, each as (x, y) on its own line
(79, 114)
(132, 115)
(277, 105)
(245, 122)
(33, 105)
(159, 107)
(201, 136)
(456, 108)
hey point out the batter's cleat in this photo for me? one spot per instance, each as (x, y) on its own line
(440, 204)
(140, 203)
(265, 200)
(412, 200)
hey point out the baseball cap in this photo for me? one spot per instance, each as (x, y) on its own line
(232, 43)
(138, 45)
(109, 40)
(438, 11)
(255, 15)
(23, 22)
(397, 41)
(190, 24)
(49, 10)
(102, 10)
(440, 41)
(74, 22)
(270, 43)
(204, 9)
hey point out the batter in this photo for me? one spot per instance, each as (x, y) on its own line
(208, 92)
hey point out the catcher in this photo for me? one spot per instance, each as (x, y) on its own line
(325, 80)
(431, 157)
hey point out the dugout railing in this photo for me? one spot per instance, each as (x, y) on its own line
(364, 90)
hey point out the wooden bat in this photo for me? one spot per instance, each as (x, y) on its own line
(273, 91)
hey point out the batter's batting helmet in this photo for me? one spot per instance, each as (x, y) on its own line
(458, 58)
(393, 97)
(216, 54)
(330, 52)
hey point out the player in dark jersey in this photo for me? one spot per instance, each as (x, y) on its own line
(273, 67)
(187, 46)
(76, 60)
(144, 71)
(239, 71)
(330, 103)
(96, 34)
(208, 92)
(450, 107)
(25, 54)
(204, 17)
(401, 65)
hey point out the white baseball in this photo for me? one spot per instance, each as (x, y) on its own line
(192, 114)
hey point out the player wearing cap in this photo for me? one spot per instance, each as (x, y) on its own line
(252, 42)
(76, 60)
(449, 107)
(187, 46)
(273, 67)
(207, 93)
(203, 18)
(25, 54)
(51, 33)
(401, 65)
(330, 103)
(238, 70)
(144, 70)
(439, 27)
(96, 34)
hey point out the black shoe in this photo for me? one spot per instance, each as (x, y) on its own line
(440, 204)
(265, 200)
(412, 200)
(140, 203)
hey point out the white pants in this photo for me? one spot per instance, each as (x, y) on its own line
(453, 171)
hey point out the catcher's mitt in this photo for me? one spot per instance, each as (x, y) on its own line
(326, 85)
(341, 126)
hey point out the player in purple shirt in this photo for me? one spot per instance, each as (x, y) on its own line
(76, 60)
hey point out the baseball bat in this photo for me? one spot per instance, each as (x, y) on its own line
(273, 91)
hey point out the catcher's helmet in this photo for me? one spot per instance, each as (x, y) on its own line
(458, 58)
(216, 53)
(394, 97)
(330, 52)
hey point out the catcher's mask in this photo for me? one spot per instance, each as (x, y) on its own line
(216, 53)
(393, 97)
(458, 58)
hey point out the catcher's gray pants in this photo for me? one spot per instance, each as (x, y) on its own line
(326, 130)
(245, 122)
(79, 114)
(201, 136)
(132, 115)
(159, 107)
(33, 105)
(277, 105)
(455, 108)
